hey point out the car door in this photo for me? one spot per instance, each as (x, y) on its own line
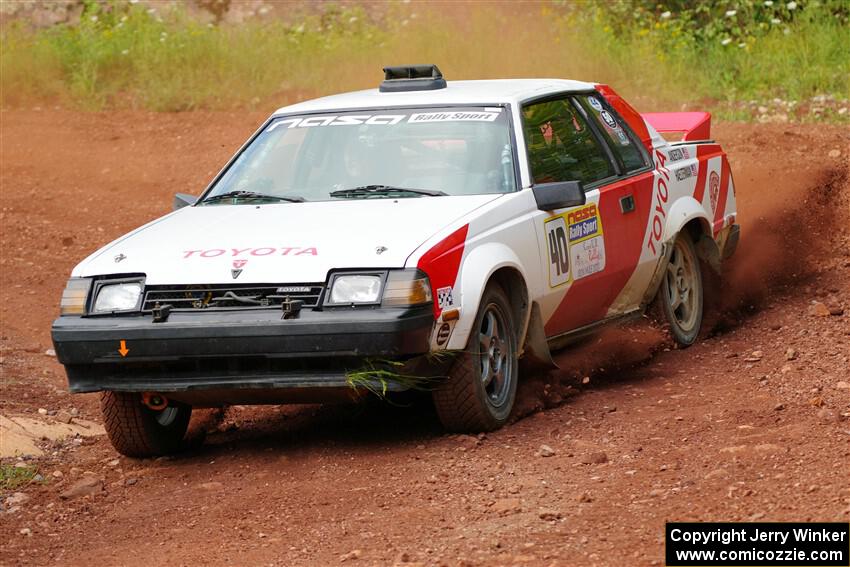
(587, 251)
(626, 201)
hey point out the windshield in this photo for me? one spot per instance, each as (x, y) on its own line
(373, 154)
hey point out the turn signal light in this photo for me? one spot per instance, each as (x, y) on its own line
(74, 296)
(407, 287)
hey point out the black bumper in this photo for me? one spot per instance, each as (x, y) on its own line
(227, 350)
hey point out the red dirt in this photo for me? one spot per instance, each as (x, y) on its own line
(707, 433)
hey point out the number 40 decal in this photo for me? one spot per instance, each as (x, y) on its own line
(559, 255)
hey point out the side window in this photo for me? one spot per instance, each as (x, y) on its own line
(623, 144)
(561, 145)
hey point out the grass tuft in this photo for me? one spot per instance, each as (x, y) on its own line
(378, 375)
(12, 477)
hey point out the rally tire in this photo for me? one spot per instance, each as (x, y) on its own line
(681, 296)
(138, 431)
(479, 393)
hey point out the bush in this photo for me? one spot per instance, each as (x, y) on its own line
(728, 56)
(741, 53)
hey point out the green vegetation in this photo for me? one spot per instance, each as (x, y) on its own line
(12, 477)
(729, 56)
(377, 375)
(126, 56)
(730, 51)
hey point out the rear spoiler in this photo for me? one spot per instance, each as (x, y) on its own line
(693, 125)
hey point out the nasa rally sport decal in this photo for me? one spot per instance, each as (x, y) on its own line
(576, 245)
(385, 119)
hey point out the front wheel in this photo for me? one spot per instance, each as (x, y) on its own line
(480, 390)
(135, 430)
(682, 292)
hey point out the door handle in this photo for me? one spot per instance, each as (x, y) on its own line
(627, 204)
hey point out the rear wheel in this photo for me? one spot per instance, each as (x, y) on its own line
(682, 292)
(135, 430)
(480, 391)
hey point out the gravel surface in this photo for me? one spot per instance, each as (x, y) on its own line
(753, 423)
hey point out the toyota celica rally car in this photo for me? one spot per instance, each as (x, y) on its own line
(421, 234)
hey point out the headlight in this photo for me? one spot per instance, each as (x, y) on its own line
(355, 288)
(118, 297)
(407, 287)
(74, 296)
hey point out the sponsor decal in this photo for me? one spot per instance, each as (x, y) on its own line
(384, 119)
(443, 334)
(686, 172)
(713, 189)
(583, 223)
(454, 117)
(588, 257)
(609, 120)
(347, 120)
(120, 258)
(594, 103)
(679, 153)
(242, 252)
(624, 140)
(662, 195)
(587, 244)
(576, 245)
(445, 297)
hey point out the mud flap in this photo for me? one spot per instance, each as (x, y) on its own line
(730, 241)
(535, 354)
(709, 252)
(655, 281)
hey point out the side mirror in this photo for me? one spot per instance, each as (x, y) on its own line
(182, 200)
(559, 195)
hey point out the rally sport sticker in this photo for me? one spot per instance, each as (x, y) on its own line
(576, 245)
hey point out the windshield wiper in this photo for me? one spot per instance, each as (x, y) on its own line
(251, 195)
(381, 190)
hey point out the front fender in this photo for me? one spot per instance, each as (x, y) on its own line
(478, 267)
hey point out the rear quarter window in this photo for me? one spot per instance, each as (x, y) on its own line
(622, 141)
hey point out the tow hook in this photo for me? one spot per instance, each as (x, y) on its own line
(154, 401)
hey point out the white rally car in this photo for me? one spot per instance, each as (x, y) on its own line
(421, 233)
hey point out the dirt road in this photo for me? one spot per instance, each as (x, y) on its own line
(753, 423)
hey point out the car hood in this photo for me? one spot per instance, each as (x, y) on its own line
(277, 243)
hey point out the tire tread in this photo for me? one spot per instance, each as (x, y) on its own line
(457, 399)
(130, 429)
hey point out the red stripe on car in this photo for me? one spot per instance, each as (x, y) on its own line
(725, 175)
(704, 153)
(442, 263)
(588, 299)
(629, 114)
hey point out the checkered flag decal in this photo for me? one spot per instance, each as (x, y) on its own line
(444, 297)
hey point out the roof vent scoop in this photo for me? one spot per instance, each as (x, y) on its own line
(412, 78)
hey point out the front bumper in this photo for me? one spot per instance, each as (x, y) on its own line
(234, 350)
